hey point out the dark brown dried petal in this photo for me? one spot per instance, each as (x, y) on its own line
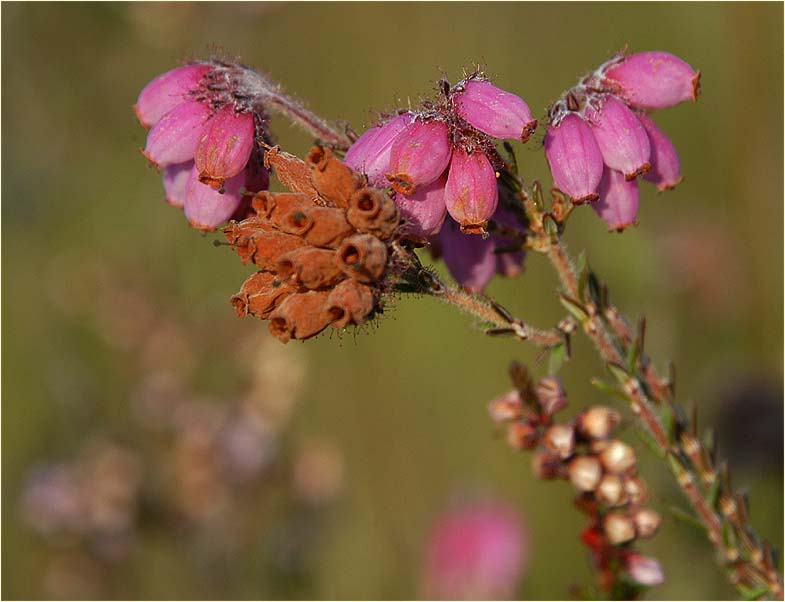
(300, 316)
(260, 295)
(271, 204)
(335, 181)
(311, 267)
(350, 303)
(234, 231)
(373, 212)
(363, 257)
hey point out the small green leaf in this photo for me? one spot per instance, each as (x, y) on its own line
(608, 389)
(575, 308)
(748, 593)
(618, 372)
(687, 518)
(557, 358)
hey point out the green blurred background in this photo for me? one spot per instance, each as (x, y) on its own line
(404, 401)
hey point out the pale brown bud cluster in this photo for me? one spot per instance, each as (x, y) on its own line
(321, 250)
(584, 451)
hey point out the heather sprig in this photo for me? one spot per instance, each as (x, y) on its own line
(343, 242)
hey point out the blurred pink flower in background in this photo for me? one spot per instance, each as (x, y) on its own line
(477, 551)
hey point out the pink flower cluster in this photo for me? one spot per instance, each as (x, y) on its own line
(203, 136)
(442, 160)
(600, 139)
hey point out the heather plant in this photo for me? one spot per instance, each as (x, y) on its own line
(361, 212)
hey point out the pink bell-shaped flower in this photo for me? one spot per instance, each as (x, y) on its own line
(665, 169)
(620, 136)
(494, 111)
(419, 155)
(618, 204)
(167, 91)
(225, 146)
(471, 193)
(175, 181)
(205, 207)
(175, 137)
(654, 80)
(370, 153)
(424, 211)
(574, 158)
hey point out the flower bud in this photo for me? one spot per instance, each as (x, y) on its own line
(560, 439)
(300, 316)
(260, 294)
(311, 267)
(370, 153)
(598, 422)
(363, 257)
(644, 570)
(618, 204)
(207, 208)
(176, 135)
(647, 522)
(507, 407)
(522, 435)
(545, 466)
(350, 303)
(585, 473)
(373, 212)
(636, 490)
(551, 395)
(621, 138)
(665, 169)
(423, 211)
(333, 179)
(494, 111)
(225, 146)
(654, 80)
(610, 491)
(618, 457)
(574, 158)
(471, 193)
(419, 155)
(167, 91)
(618, 527)
(175, 180)
(469, 258)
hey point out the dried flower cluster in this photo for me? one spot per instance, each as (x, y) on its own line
(322, 249)
(600, 139)
(602, 468)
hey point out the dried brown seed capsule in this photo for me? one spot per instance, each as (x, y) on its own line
(264, 248)
(273, 205)
(597, 446)
(545, 466)
(618, 457)
(363, 257)
(313, 268)
(610, 491)
(560, 439)
(300, 316)
(291, 171)
(260, 295)
(507, 407)
(551, 395)
(636, 490)
(619, 528)
(335, 181)
(373, 212)
(350, 303)
(522, 435)
(647, 522)
(585, 473)
(598, 422)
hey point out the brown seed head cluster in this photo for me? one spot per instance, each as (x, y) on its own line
(321, 249)
(602, 468)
